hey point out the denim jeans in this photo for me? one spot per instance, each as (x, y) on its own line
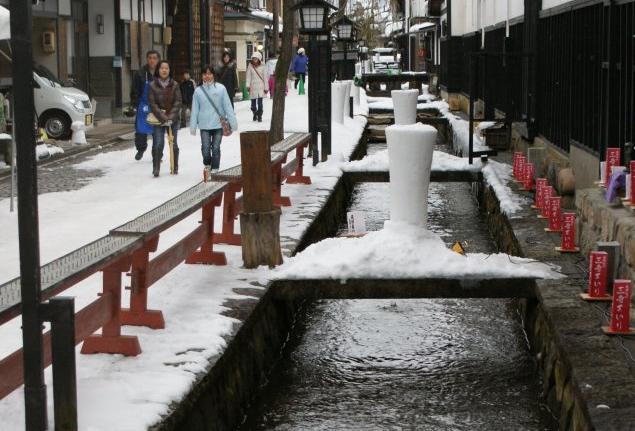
(210, 147)
(257, 109)
(158, 137)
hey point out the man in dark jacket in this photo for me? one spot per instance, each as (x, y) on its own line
(138, 95)
(228, 75)
(187, 91)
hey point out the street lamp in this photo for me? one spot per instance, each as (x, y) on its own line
(344, 27)
(314, 15)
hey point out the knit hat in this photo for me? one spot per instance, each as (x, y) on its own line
(257, 55)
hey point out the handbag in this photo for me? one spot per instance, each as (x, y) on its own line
(227, 129)
(152, 119)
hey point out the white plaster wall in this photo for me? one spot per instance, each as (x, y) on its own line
(468, 14)
(548, 4)
(101, 45)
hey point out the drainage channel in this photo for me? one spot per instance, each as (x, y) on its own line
(425, 364)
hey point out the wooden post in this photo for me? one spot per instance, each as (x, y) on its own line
(259, 219)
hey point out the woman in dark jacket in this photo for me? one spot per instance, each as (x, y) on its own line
(228, 75)
(165, 101)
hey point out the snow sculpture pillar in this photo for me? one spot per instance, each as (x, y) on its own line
(338, 90)
(347, 95)
(410, 149)
(405, 106)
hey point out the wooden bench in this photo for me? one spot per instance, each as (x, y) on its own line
(292, 172)
(125, 250)
(110, 255)
(197, 247)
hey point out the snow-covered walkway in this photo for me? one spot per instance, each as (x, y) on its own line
(118, 393)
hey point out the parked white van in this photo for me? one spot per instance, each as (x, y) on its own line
(57, 105)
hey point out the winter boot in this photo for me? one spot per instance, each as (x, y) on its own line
(139, 155)
(259, 115)
(255, 116)
(156, 164)
(176, 160)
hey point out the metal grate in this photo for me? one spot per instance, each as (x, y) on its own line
(232, 174)
(291, 142)
(172, 211)
(74, 264)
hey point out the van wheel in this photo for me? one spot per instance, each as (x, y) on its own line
(57, 125)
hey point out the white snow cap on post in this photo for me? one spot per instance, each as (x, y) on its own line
(410, 149)
(355, 94)
(337, 102)
(347, 95)
(405, 106)
(79, 135)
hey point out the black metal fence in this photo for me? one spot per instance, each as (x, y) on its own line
(584, 74)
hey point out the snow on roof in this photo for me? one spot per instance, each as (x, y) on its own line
(262, 14)
(391, 27)
(422, 26)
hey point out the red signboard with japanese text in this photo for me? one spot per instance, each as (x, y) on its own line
(530, 171)
(612, 159)
(541, 183)
(621, 307)
(547, 191)
(517, 155)
(522, 160)
(568, 232)
(555, 214)
(598, 273)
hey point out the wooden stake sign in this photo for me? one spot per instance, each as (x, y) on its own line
(598, 276)
(612, 159)
(555, 215)
(620, 310)
(547, 191)
(541, 183)
(568, 234)
(530, 171)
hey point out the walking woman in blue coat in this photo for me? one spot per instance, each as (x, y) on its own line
(300, 66)
(210, 103)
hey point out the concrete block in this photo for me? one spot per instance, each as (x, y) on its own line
(613, 250)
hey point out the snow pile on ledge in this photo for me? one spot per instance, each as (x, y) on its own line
(403, 251)
(497, 175)
(441, 161)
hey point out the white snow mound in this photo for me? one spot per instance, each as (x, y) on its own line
(403, 251)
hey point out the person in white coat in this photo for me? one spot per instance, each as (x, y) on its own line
(257, 84)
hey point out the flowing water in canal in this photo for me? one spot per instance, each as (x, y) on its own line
(407, 364)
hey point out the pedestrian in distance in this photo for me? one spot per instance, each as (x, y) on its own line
(257, 84)
(300, 66)
(165, 102)
(187, 91)
(211, 106)
(228, 75)
(271, 65)
(139, 99)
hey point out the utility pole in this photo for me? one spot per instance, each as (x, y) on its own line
(28, 229)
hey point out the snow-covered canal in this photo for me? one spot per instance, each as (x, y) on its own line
(407, 364)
